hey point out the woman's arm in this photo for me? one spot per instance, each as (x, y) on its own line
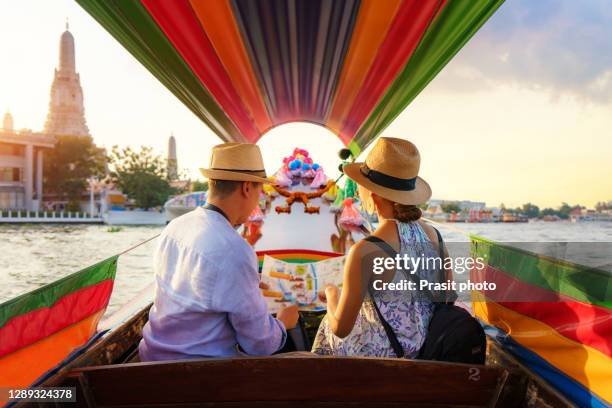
(342, 312)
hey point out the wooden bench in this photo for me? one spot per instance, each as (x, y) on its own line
(289, 381)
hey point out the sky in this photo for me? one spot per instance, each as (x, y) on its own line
(523, 113)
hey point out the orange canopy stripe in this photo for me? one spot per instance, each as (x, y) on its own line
(22, 367)
(372, 24)
(217, 19)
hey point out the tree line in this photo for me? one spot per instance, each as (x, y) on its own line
(529, 210)
(140, 174)
(533, 211)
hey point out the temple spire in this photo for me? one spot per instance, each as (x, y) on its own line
(66, 111)
(7, 122)
(172, 159)
(67, 54)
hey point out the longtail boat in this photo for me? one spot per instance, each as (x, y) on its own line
(244, 67)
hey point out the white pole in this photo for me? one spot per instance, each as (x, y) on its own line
(91, 197)
(39, 177)
(28, 176)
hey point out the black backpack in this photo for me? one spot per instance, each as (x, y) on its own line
(453, 334)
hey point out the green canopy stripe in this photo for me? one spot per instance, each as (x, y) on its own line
(585, 284)
(131, 25)
(47, 295)
(455, 24)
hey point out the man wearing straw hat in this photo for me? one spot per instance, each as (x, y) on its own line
(207, 297)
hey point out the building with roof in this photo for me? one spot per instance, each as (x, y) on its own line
(21, 166)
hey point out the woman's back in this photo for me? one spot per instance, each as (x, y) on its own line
(408, 318)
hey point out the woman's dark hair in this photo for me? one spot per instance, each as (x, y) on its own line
(406, 213)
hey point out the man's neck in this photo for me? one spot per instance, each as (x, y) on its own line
(227, 209)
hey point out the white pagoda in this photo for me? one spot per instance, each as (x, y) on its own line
(66, 111)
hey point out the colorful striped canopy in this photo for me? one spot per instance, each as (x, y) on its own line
(245, 66)
(565, 333)
(39, 329)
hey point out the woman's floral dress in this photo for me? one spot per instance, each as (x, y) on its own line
(409, 319)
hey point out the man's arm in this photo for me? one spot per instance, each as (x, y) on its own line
(257, 331)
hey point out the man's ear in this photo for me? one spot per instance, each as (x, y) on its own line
(245, 188)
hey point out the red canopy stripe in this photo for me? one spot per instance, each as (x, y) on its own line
(403, 37)
(582, 322)
(180, 25)
(219, 23)
(25, 329)
(372, 24)
(22, 367)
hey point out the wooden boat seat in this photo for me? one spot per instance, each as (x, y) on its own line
(295, 381)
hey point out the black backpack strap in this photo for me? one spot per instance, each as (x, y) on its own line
(440, 243)
(453, 295)
(395, 344)
(441, 252)
(382, 244)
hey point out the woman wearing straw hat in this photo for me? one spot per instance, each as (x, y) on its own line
(389, 185)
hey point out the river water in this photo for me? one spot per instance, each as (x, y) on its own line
(34, 255)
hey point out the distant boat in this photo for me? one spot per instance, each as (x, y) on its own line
(182, 204)
(509, 217)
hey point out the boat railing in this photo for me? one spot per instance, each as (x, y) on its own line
(25, 216)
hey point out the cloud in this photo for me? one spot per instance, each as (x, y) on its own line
(563, 46)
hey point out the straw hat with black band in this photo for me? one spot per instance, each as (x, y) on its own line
(236, 162)
(391, 171)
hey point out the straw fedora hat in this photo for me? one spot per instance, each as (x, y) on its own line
(391, 171)
(237, 162)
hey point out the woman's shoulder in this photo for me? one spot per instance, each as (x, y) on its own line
(365, 249)
(360, 250)
(430, 231)
(388, 232)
